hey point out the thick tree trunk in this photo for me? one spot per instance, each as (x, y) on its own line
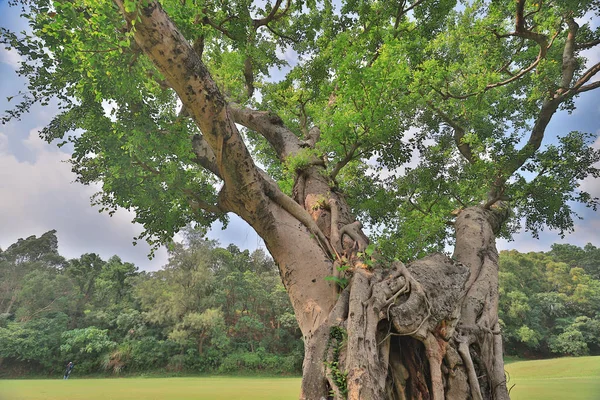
(428, 330)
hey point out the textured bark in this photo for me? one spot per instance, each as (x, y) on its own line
(428, 330)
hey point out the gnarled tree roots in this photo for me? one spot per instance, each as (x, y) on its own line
(397, 333)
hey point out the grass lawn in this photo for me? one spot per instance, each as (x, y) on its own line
(556, 379)
(205, 388)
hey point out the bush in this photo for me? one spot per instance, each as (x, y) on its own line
(570, 342)
(148, 353)
(261, 361)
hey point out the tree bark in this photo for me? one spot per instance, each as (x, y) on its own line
(428, 330)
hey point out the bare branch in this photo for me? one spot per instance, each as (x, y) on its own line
(587, 75)
(281, 35)
(207, 21)
(412, 6)
(587, 45)
(591, 86)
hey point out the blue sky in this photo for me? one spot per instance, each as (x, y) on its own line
(38, 192)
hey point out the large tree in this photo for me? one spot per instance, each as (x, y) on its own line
(170, 107)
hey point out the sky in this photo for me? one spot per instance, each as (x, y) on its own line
(38, 191)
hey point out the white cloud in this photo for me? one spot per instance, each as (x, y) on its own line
(10, 57)
(41, 195)
(591, 184)
(3, 142)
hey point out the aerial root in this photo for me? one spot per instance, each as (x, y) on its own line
(463, 350)
(354, 231)
(435, 350)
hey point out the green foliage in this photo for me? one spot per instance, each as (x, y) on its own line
(85, 347)
(384, 84)
(36, 342)
(548, 305)
(341, 280)
(570, 342)
(336, 341)
(209, 309)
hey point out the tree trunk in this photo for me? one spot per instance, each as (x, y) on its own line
(428, 330)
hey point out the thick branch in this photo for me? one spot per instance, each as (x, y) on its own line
(185, 72)
(270, 126)
(272, 16)
(522, 31)
(587, 45)
(313, 136)
(294, 209)
(591, 86)
(569, 62)
(249, 76)
(205, 156)
(587, 75)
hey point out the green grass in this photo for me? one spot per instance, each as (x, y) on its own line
(206, 388)
(556, 379)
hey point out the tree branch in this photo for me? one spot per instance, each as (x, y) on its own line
(184, 71)
(587, 75)
(342, 163)
(205, 157)
(197, 203)
(569, 62)
(294, 209)
(270, 126)
(281, 35)
(459, 134)
(587, 45)
(591, 86)
(272, 16)
(207, 21)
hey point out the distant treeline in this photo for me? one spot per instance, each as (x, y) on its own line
(223, 310)
(550, 302)
(209, 309)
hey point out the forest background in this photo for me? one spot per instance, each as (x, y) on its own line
(223, 310)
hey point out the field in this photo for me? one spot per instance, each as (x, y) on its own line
(556, 379)
(206, 388)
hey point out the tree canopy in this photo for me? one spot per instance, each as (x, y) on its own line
(466, 92)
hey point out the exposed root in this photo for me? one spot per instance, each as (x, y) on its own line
(463, 350)
(435, 351)
(336, 239)
(406, 336)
